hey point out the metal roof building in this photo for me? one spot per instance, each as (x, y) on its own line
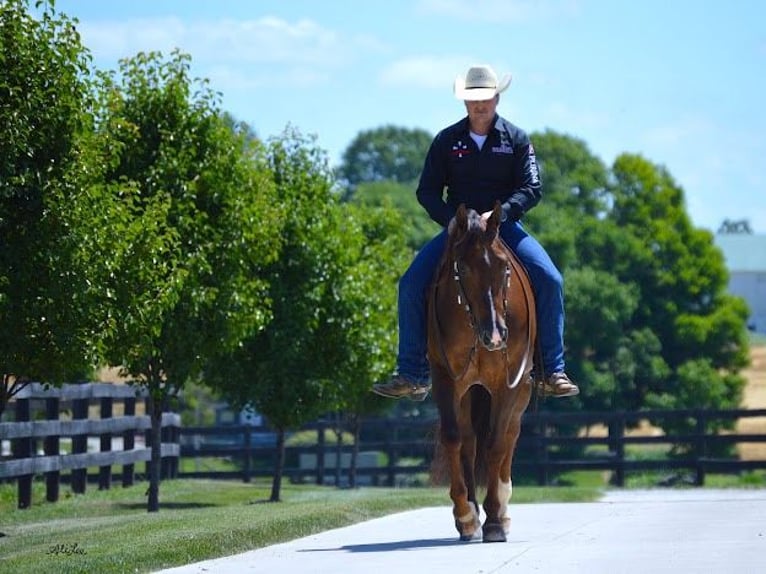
(745, 255)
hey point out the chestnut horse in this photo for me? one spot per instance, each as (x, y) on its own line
(481, 334)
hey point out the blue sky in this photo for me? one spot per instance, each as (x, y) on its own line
(681, 82)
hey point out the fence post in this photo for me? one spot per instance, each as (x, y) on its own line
(320, 450)
(391, 452)
(175, 461)
(105, 472)
(541, 447)
(22, 448)
(165, 463)
(129, 443)
(51, 448)
(79, 446)
(248, 462)
(617, 446)
(700, 448)
(148, 437)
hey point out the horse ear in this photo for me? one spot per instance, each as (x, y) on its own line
(493, 223)
(461, 217)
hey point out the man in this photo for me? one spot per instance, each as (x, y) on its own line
(481, 159)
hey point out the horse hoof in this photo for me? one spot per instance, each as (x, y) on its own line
(493, 533)
(467, 534)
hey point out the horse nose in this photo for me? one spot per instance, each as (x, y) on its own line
(494, 339)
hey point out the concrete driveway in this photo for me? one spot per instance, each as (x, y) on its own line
(647, 532)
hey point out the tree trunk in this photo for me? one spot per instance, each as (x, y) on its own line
(155, 412)
(355, 428)
(279, 467)
(10, 387)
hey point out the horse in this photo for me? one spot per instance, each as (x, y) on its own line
(481, 334)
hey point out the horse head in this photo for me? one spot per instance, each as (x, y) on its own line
(481, 271)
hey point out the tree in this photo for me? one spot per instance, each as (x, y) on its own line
(574, 179)
(283, 370)
(385, 153)
(50, 327)
(414, 221)
(200, 219)
(647, 308)
(684, 277)
(359, 332)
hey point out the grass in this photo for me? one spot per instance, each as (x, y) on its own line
(111, 532)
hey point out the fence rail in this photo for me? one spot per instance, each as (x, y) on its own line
(392, 452)
(24, 434)
(550, 443)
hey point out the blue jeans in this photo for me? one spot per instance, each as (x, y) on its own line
(414, 285)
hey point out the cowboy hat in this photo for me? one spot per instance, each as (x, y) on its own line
(480, 83)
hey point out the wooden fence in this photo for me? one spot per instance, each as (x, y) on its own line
(79, 401)
(393, 452)
(550, 443)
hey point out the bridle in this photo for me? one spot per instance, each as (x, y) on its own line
(465, 302)
(458, 277)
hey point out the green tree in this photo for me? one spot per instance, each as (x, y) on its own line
(47, 311)
(682, 281)
(647, 309)
(360, 329)
(283, 369)
(384, 153)
(201, 220)
(575, 192)
(414, 222)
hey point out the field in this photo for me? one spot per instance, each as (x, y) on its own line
(755, 398)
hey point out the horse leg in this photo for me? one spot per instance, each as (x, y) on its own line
(505, 482)
(465, 511)
(504, 430)
(468, 460)
(493, 525)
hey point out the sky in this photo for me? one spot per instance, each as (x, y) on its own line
(680, 82)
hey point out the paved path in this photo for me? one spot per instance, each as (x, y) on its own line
(647, 532)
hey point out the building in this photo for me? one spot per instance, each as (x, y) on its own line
(745, 255)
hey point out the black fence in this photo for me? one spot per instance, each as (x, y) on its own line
(392, 452)
(90, 416)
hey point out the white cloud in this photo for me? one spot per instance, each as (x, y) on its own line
(234, 54)
(685, 129)
(428, 71)
(499, 10)
(574, 120)
(422, 72)
(114, 40)
(266, 39)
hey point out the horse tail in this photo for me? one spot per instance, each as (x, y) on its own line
(481, 404)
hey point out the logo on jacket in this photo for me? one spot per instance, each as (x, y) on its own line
(460, 149)
(534, 172)
(503, 148)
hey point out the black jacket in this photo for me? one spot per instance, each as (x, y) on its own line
(504, 169)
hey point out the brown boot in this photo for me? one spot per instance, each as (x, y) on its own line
(399, 386)
(559, 385)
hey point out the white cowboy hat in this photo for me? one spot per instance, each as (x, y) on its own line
(480, 83)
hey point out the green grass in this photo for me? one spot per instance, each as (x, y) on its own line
(110, 531)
